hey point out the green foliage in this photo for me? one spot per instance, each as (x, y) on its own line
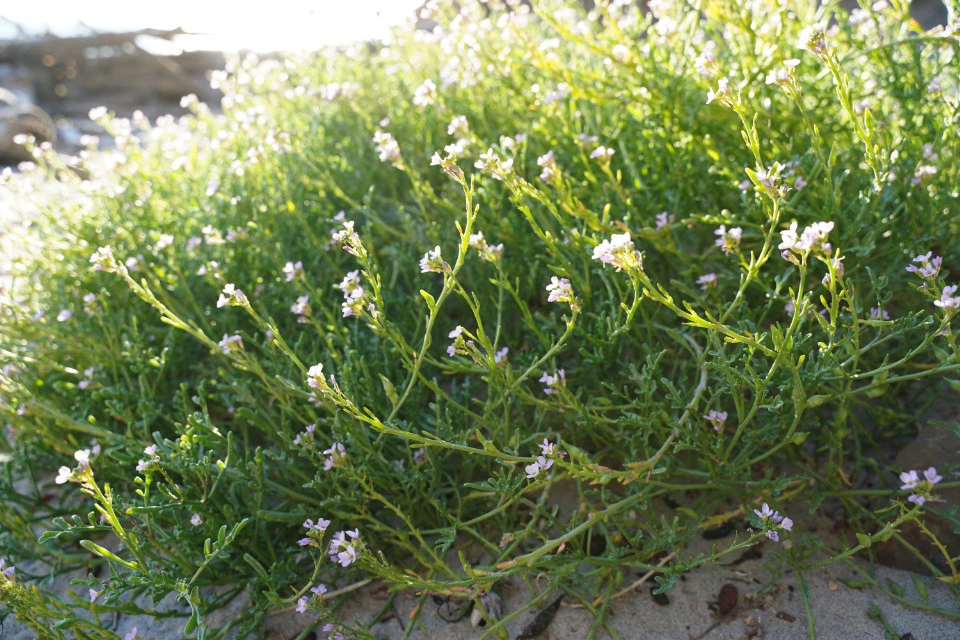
(686, 361)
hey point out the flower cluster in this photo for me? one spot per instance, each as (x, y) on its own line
(152, 458)
(921, 488)
(425, 94)
(948, 300)
(301, 309)
(354, 296)
(790, 171)
(232, 297)
(317, 590)
(488, 252)
(90, 303)
(707, 281)
(553, 382)
(292, 270)
(448, 164)
(602, 154)
(664, 219)
(560, 291)
(706, 63)
(315, 532)
(344, 547)
(87, 378)
(772, 521)
(492, 164)
(82, 457)
(837, 263)
(548, 453)
(229, 344)
(316, 379)
(620, 252)
(813, 38)
(388, 149)
(929, 265)
(460, 346)
(432, 262)
(716, 418)
(103, 260)
(550, 171)
(336, 457)
(783, 76)
(304, 439)
(728, 240)
(813, 238)
(349, 239)
(458, 127)
(724, 94)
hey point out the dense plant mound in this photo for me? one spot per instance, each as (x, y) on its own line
(399, 292)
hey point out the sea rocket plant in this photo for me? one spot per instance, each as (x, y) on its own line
(424, 441)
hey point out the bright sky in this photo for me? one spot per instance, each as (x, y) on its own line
(261, 26)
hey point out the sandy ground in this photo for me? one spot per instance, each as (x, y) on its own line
(762, 610)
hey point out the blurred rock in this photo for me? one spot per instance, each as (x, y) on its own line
(934, 447)
(19, 119)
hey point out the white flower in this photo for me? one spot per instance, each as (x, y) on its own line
(559, 290)
(103, 260)
(947, 299)
(728, 240)
(813, 38)
(723, 94)
(707, 280)
(433, 262)
(230, 343)
(664, 219)
(425, 94)
(292, 269)
(621, 52)
(602, 153)
(387, 148)
(231, 297)
(315, 378)
(64, 475)
(458, 126)
(618, 251)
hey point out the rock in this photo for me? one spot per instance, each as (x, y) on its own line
(17, 119)
(934, 447)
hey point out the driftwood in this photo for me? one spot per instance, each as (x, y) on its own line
(29, 51)
(68, 76)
